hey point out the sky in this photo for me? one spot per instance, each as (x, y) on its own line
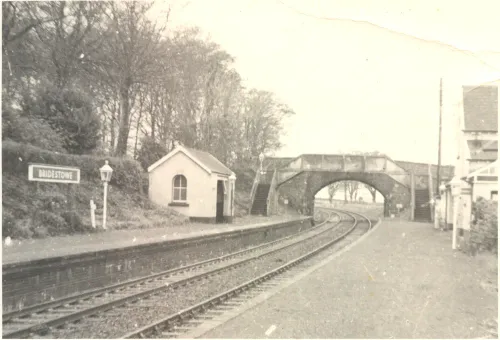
(361, 75)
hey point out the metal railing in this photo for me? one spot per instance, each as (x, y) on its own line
(271, 195)
(256, 182)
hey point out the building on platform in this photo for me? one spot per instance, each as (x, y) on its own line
(476, 168)
(195, 184)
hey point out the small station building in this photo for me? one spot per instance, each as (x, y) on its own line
(476, 165)
(195, 184)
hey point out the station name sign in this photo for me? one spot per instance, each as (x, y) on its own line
(53, 173)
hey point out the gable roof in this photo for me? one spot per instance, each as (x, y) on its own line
(482, 150)
(205, 160)
(481, 170)
(210, 161)
(480, 108)
(491, 145)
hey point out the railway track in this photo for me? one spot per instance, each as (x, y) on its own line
(44, 319)
(183, 322)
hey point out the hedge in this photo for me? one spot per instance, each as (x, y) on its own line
(127, 173)
(484, 227)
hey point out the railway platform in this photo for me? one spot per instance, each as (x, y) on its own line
(60, 246)
(37, 271)
(403, 281)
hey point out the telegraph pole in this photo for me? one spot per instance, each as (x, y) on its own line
(440, 132)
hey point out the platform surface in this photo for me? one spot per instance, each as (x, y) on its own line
(402, 281)
(35, 249)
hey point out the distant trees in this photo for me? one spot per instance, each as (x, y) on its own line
(102, 75)
(332, 189)
(352, 189)
(150, 152)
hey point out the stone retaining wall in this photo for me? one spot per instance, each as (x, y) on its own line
(33, 282)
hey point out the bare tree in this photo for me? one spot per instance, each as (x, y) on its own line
(67, 42)
(332, 189)
(129, 57)
(352, 188)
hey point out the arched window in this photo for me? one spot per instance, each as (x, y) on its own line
(179, 188)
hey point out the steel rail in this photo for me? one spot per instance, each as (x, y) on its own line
(72, 316)
(190, 312)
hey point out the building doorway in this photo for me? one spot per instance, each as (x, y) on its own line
(219, 215)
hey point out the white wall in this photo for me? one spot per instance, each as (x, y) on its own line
(201, 187)
(484, 190)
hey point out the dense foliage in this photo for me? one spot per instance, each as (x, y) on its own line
(103, 77)
(93, 80)
(484, 227)
(37, 209)
(126, 172)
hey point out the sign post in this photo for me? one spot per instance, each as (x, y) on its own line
(53, 173)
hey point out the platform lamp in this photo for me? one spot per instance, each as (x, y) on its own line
(261, 159)
(106, 172)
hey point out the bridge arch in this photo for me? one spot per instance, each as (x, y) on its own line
(301, 189)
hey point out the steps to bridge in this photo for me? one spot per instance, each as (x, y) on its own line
(259, 205)
(422, 207)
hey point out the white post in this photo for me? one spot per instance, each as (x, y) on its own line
(104, 210)
(437, 208)
(455, 220)
(92, 213)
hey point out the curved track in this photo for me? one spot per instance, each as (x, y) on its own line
(181, 322)
(42, 319)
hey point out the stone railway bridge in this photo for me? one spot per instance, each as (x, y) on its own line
(299, 179)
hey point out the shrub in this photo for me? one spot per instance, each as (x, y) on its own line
(16, 157)
(41, 232)
(54, 223)
(22, 229)
(75, 223)
(68, 111)
(8, 224)
(30, 130)
(150, 152)
(52, 200)
(484, 227)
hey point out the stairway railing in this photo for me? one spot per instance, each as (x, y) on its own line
(256, 182)
(270, 203)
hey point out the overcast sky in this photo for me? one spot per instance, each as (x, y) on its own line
(360, 75)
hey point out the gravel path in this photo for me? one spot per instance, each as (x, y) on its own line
(144, 312)
(403, 281)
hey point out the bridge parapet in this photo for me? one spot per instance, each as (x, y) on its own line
(343, 163)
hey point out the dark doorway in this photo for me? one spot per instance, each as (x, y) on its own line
(219, 216)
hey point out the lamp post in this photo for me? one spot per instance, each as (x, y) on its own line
(455, 192)
(106, 172)
(261, 159)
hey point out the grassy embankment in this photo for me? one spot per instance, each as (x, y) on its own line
(373, 210)
(38, 210)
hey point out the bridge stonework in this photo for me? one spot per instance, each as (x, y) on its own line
(301, 190)
(299, 179)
